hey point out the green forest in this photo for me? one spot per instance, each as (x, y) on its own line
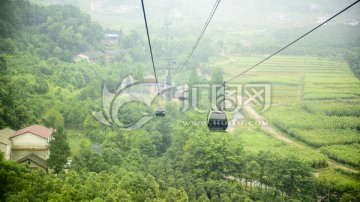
(166, 160)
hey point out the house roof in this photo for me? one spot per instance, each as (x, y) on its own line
(94, 54)
(5, 135)
(36, 159)
(36, 130)
(112, 35)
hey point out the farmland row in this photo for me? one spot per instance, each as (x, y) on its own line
(348, 154)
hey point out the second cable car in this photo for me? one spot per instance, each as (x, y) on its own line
(160, 111)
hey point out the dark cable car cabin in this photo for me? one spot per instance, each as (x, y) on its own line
(182, 98)
(217, 121)
(160, 111)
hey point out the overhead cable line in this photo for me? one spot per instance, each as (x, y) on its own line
(201, 34)
(307, 33)
(151, 53)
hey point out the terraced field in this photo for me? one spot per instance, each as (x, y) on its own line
(314, 100)
(295, 79)
(344, 153)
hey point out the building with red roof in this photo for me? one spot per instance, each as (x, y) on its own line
(30, 144)
(38, 130)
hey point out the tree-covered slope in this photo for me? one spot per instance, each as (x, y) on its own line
(60, 31)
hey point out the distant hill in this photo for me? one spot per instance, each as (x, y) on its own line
(248, 12)
(56, 30)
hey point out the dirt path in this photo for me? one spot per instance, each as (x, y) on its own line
(249, 110)
(337, 165)
(237, 117)
(268, 128)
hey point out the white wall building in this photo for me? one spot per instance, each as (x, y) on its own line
(5, 142)
(31, 140)
(29, 145)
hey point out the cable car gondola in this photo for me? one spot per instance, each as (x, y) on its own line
(182, 98)
(160, 111)
(217, 121)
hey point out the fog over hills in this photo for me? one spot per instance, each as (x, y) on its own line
(278, 13)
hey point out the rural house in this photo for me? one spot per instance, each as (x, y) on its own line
(90, 56)
(30, 145)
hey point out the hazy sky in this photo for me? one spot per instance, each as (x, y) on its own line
(126, 14)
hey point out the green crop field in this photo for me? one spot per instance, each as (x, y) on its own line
(349, 154)
(314, 100)
(314, 129)
(334, 108)
(295, 79)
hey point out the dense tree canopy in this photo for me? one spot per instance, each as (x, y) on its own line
(60, 31)
(353, 61)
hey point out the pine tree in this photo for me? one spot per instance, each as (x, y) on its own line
(217, 76)
(139, 75)
(218, 79)
(59, 151)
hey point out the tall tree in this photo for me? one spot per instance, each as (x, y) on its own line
(59, 151)
(139, 75)
(218, 79)
(217, 76)
(194, 77)
(354, 64)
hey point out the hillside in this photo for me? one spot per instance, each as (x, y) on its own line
(314, 102)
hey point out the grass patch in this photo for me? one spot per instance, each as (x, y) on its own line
(76, 139)
(256, 141)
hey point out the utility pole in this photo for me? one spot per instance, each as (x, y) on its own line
(170, 60)
(170, 68)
